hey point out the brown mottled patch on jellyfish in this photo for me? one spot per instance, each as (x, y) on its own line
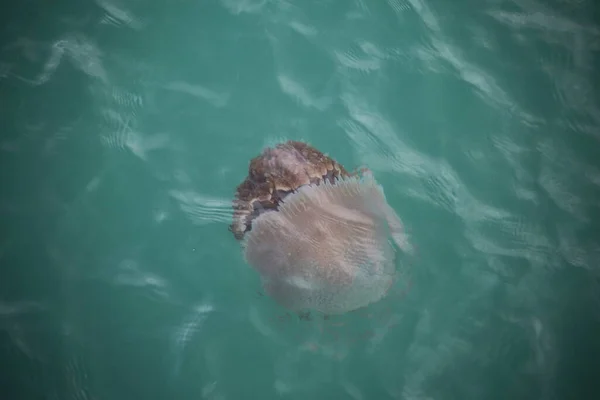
(274, 174)
(325, 248)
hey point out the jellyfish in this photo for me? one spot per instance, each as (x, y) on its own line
(318, 236)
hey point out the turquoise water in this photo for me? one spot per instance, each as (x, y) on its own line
(126, 126)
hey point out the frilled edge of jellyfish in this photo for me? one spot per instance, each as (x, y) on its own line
(323, 194)
(360, 187)
(364, 187)
(359, 198)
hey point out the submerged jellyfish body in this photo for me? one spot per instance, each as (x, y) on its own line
(317, 235)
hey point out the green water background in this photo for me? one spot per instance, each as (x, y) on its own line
(127, 124)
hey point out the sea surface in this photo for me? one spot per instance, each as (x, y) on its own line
(126, 126)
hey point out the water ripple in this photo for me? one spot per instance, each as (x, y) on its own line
(303, 29)
(82, 53)
(559, 171)
(485, 84)
(381, 148)
(184, 334)
(15, 309)
(399, 6)
(427, 14)
(364, 57)
(216, 98)
(202, 209)
(295, 90)
(537, 16)
(131, 274)
(244, 6)
(118, 15)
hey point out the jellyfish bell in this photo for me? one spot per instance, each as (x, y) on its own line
(326, 248)
(317, 235)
